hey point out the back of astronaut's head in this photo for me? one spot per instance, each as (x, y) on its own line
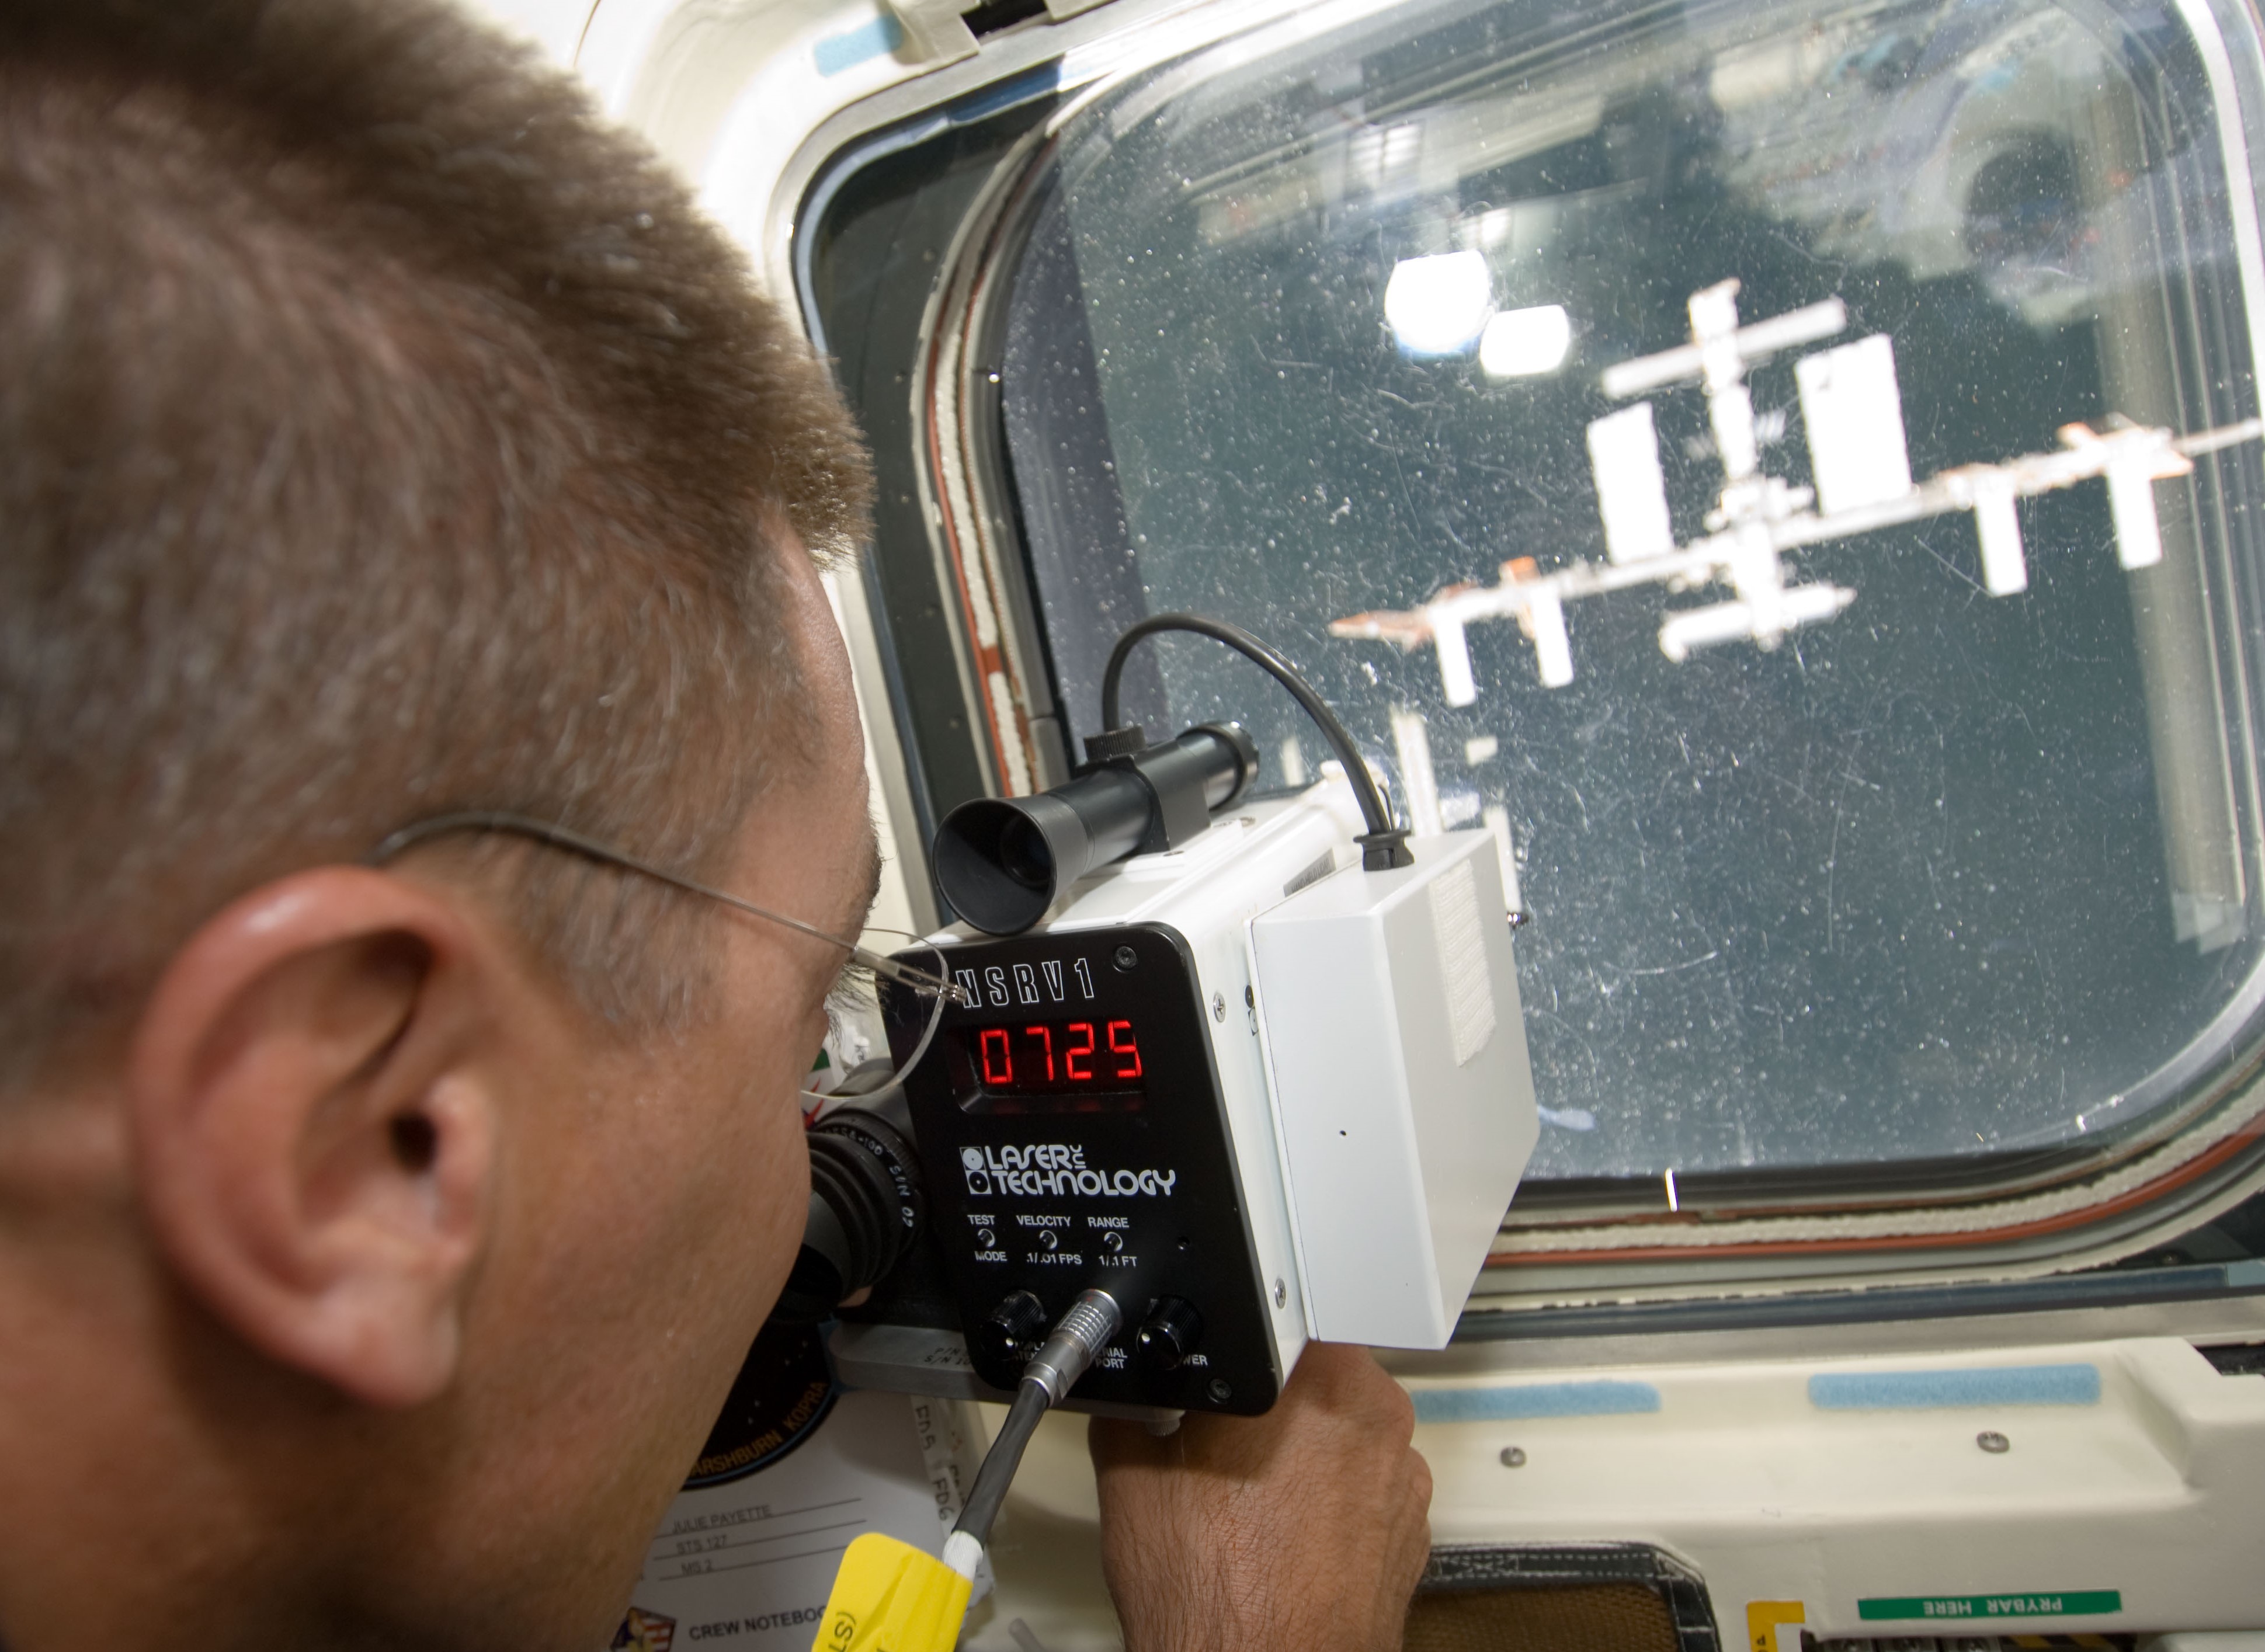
(380, 434)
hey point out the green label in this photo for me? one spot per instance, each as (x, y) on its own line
(2083, 1604)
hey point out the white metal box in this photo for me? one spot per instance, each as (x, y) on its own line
(1389, 1013)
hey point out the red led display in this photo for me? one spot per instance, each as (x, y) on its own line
(1051, 1057)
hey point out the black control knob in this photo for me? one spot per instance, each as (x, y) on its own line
(1009, 1333)
(1168, 1335)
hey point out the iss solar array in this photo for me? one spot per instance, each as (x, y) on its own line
(1852, 410)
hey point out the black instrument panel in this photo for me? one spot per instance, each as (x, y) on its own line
(1072, 1134)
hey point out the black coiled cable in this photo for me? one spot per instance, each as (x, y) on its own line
(1383, 846)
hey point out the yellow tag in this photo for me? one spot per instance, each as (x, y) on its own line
(1766, 1617)
(890, 1596)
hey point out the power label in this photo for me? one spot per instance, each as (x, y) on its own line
(2082, 1604)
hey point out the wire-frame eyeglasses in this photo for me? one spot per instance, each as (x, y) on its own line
(924, 976)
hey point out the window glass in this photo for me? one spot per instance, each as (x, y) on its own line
(1915, 857)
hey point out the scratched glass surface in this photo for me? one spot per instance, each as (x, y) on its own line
(1949, 873)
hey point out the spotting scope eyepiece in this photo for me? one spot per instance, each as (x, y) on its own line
(1000, 862)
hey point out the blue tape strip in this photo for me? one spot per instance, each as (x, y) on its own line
(1535, 1399)
(1924, 1390)
(981, 105)
(837, 52)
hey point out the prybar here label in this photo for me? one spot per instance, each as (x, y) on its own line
(1051, 1169)
(2077, 1604)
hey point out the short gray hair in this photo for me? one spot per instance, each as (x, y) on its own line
(381, 434)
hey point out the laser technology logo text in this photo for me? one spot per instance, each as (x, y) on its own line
(1051, 1169)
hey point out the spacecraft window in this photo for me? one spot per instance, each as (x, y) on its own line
(1787, 468)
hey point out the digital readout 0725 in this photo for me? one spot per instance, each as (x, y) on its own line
(1066, 1058)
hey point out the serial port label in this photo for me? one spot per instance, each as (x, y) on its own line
(2084, 1604)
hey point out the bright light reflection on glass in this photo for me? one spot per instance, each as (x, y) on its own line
(1437, 305)
(1521, 342)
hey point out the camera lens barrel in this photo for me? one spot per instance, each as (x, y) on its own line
(866, 1209)
(1000, 862)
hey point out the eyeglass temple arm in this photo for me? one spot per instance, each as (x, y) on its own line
(565, 838)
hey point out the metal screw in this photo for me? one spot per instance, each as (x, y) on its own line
(1126, 957)
(1219, 1390)
(1281, 1294)
(1990, 1440)
(1250, 999)
(1513, 1457)
(1218, 1006)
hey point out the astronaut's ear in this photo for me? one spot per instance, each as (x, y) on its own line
(313, 1128)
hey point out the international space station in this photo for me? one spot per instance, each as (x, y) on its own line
(1852, 409)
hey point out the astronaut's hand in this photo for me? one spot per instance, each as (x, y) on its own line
(1304, 1529)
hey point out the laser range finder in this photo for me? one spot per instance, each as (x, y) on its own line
(1254, 1071)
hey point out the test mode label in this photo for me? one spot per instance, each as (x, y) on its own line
(2088, 1602)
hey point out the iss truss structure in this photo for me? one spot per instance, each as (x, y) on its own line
(1852, 410)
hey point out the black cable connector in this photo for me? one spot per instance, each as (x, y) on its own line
(1383, 846)
(1074, 1343)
